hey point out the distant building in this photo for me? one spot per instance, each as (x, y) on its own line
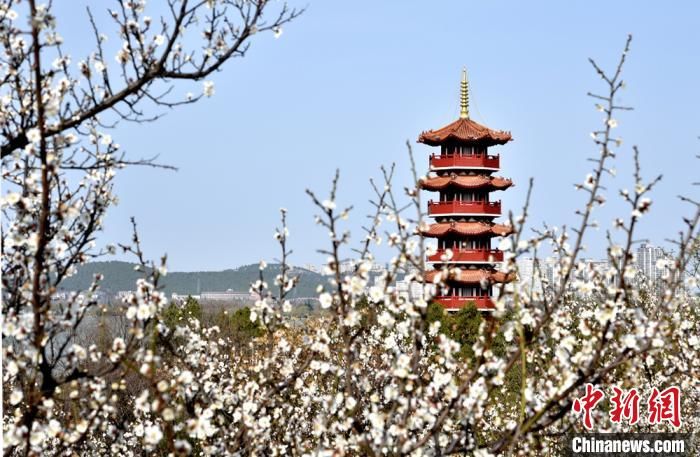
(526, 269)
(535, 272)
(346, 267)
(311, 267)
(225, 296)
(349, 266)
(61, 296)
(402, 289)
(418, 290)
(378, 268)
(651, 261)
(380, 281)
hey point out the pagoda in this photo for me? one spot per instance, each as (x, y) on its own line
(464, 212)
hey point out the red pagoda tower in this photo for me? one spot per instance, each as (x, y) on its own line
(465, 211)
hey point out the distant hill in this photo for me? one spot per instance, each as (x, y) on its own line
(120, 276)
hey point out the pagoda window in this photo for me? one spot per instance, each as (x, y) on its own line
(447, 244)
(474, 197)
(467, 196)
(464, 150)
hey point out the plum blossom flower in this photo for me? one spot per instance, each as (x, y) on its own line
(16, 397)
(208, 88)
(144, 311)
(11, 198)
(326, 300)
(152, 435)
(33, 135)
(376, 294)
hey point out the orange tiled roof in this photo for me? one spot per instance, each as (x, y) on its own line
(465, 182)
(464, 130)
(466, 228)
(463, 276)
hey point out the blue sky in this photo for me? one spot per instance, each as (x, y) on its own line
(349, 82)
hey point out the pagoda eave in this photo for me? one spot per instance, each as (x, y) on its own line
(465, 131)
(441, 229)
(454, 181)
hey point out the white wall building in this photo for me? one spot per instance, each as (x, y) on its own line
(651, 262)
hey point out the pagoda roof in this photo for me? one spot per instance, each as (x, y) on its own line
(466, 228)
(463, 276)
(465, 182)
(465, 131)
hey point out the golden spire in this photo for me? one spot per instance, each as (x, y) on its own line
(464, 96)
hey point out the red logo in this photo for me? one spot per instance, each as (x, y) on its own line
(625, 406)
(587, 403)
(665, 406)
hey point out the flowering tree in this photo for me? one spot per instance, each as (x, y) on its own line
(58, 166)
(375, 374)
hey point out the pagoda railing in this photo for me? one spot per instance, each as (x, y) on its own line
(466, 161)
(467, 255)
(450, 302)
(461, 207)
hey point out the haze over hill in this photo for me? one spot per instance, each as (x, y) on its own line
(121, 276)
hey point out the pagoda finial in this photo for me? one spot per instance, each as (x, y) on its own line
(464, 96)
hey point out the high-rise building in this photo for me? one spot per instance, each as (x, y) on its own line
(464, 212)
(648, 258)
(530, 273)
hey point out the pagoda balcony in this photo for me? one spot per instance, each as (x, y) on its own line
(486, 161)
(454, 303)
(457, 207)
(467, 255)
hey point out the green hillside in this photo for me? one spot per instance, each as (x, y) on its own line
(120, 276)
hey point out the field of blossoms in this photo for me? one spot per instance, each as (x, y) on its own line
(374, 373)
